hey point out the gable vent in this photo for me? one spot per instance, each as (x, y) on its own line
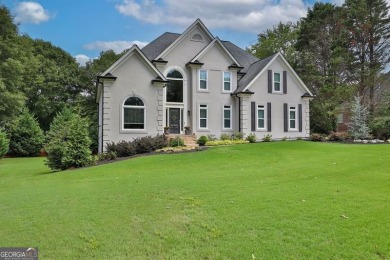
(197, 37)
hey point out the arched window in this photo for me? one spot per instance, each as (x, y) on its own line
(175, 86)
(133, 113)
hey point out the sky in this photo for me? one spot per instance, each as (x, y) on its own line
(84, 28)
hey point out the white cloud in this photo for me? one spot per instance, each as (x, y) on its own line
(31, 12)
(241, 15)
(117, 46)
(82, 59)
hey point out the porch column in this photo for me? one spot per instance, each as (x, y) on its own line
(244, 113)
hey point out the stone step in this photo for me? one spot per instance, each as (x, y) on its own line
(189, 140)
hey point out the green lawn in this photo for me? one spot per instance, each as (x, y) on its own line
(267, 200)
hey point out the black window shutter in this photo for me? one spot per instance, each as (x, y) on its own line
(300, 117)
(253, 116)
(284, 82)
(269, 127)
(285, 117)
(269, 81)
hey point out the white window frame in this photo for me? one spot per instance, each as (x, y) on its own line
(199, 80)
(230, 82)
(200, 107)
(280, 82)
(264, 118)
(135, 107)
(295, 109)
(229, 108)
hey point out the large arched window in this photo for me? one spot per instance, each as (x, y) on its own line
(133, 113)
(175, 86)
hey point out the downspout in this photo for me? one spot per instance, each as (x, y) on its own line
(239, 114)
(100, 150)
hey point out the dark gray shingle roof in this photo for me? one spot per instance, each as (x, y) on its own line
(243, 57)
(157, 46)
(252, 72)
(252, 65)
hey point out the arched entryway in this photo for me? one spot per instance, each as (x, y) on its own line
(175, 97)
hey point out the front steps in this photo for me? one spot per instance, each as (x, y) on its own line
(189, 140)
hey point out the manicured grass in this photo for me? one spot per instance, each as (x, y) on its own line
(270, 200)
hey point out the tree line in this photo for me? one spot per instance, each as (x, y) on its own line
(339, 52)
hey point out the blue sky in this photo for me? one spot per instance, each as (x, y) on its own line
(84, 28)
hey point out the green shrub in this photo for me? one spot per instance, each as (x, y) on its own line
(338, 136)
(237, 136)
(202, 140)
(177, 141)
(211, 137)
(110, 156)
(226, 142)
(267, 138)
(139, 145)
(316, 137)
(224, 137)
(68, 142)
(121, 149)
(4, 144)
(26, 136)
(143, 144)
(380, 127)
(251, 138)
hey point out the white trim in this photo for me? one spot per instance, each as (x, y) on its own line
(291, 70)
(184, 104)
(209, 46)
(280, 91)
(223, 82)
(264, 117)
(207, 116)
(223, 116)
(207, 80)
(122, 121)
(129, 54)
(198, 22)
(295, 109)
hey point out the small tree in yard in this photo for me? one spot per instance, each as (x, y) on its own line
(358, 120)
(68, 142)
(26, 136)
(4, 144)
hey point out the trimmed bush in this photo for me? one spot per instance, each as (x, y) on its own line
(224, 137)
(177, 141)
(338, 136)
(226, 142)
(121, 149)
(251, 138)
(316, 137)
(380, 127)
(211, 137)
(139, 145)
(202, 140)
(267, 138)
(4, 144)
(26, 136)
(68, 142)
(237, 136)
(109, 156)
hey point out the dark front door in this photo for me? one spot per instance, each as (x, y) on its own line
(174, 120)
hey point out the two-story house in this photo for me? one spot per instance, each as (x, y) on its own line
(198, 82)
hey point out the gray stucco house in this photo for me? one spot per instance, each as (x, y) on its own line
(198, 82)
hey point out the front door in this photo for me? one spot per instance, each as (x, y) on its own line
(174, 120)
